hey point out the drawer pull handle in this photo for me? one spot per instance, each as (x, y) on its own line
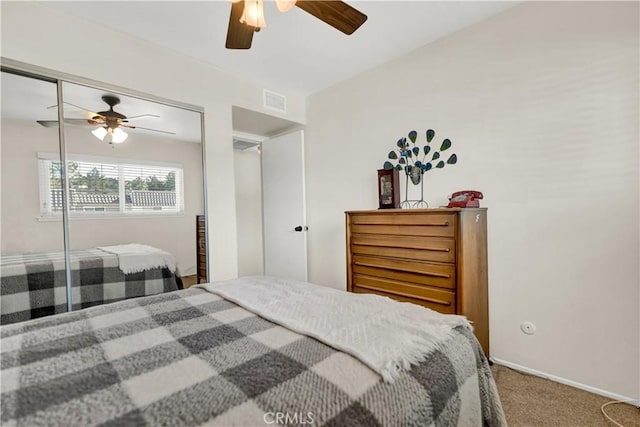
(368, 264)
(437, 249)
(432, 224)
(388, 245)
(404, 294)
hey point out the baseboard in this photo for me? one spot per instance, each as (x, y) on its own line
(613, 396)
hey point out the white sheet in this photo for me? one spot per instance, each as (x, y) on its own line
(134, 257)
(386, 335)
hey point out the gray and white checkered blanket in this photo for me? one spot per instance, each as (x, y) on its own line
(34, 285)
(193, 358)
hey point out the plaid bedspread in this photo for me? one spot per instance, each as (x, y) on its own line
(190, 358)
(34, 285)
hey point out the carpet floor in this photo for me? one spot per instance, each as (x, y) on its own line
(533, 401)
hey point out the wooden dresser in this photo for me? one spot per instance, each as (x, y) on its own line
(433, 257)
(201, 249)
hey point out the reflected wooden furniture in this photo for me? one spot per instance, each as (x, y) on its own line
(188, 281)
(436, 258)
(201, 249)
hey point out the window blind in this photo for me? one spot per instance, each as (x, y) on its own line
(104, 187)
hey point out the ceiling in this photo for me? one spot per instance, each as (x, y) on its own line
(29, 99)
(295, 53)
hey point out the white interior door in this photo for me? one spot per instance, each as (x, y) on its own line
(283, 205)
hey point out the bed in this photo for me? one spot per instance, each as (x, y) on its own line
(34, 285)
(193, 357)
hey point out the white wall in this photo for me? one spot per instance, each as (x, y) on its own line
(248, 181)
(23, 232)
(541, 103)
(37, 34)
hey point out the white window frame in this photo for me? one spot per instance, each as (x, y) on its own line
(44, 184)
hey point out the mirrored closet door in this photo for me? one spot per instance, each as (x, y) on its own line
(135, 187)
(124, 183)
(32, 258)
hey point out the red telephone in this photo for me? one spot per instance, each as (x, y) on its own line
(465, 199)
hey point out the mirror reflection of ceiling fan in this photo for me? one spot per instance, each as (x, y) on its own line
(247, 17)
(109, 123)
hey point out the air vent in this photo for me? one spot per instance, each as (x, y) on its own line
(274, 101)
(241, 144)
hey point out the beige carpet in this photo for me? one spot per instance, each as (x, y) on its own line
(533, 401)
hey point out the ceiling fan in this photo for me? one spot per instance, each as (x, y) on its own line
(247, 17)
(109, 122)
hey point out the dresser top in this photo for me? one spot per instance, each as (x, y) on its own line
(416, 211)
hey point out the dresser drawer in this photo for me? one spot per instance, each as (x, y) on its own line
(445, 299)
(438, 249)
(437, 307)
(404, 224)
(439, 275)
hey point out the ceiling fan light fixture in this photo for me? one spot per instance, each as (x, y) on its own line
(118, 136)
(285, 5)
(253, 14)
(100, 133)
(110, 135)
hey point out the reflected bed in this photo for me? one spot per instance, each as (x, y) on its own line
(33, 285)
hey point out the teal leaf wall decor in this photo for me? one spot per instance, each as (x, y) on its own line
(413, 135)
(430, 134)
(411, 154)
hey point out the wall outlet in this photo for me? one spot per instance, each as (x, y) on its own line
(528, 328)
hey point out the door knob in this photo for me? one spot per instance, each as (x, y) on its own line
(300, 228)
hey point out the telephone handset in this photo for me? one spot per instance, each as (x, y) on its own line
(465, 199)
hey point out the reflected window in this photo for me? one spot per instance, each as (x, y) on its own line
(100, 186)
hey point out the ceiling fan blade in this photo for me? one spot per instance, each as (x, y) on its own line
(48, 123)
(75, 122)
(77, 106)
(142, 115)
(154, 130)
(82, 122)
(338, 14)
(239, 35)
